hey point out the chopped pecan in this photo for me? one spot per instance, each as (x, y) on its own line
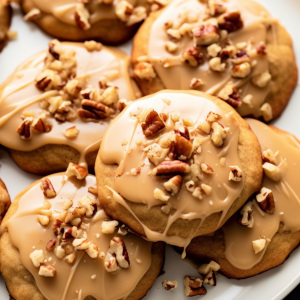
(82, 17)
(210, 278)
(231, 21)
(247, 215)
(269, 156)
(192, 56)
(258, 245)
(78, 212)
(24, 129)
(183, 147)
(169, 285)
(206, 168)
(93, 110)
(171, 168)
(51, 244)
(215, 7)
(118, 248)
(205, 35)
(47, 188)
(261, 49)
(40, 126)
(76, 170)
(183, 131)
(235, 174)
(241, 71)
(173, 185)
(241, 56)
(218, 134)
(153, 124)
(47, 271)
(265, 199)
(55, 49)
(56, 226)
(272, 171)
(193, 286)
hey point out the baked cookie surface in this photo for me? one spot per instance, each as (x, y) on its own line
(55, 108)
(54, 256)
(5, 20)
(4, 200)
(266, 231)
(234, 50)
(166, 178)
(110, 22)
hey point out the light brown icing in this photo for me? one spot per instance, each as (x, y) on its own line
(19, 93)
(139, 189)
(179, 75)
(74, 281)
(238, 238)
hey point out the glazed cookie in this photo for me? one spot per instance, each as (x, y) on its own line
(108, 21)
(234, 50)
(55, 108)
(176, 165)
(5, 20)
(4, 200)
(264, 233)
(69, 249)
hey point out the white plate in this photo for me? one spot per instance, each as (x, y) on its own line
(273, 284)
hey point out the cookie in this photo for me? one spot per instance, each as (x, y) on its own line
(5, 20)
(234, 50)
(264, 233)
(70, 248)
(176, 165)
(4, 200)
(55, 108)
(106, 21)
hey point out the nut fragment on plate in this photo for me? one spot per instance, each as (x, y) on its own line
(169, 285)
(247, 218)
(206, 268)
(269, 156)
(193, 286)
(47, 188)
(266, 201)
(76, 170)
(210, 278)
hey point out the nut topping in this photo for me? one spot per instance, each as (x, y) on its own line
(241, 71)
(40, 126)
(262, 80)
(206, 168)
(173, 185)
(47, 271)
(24, 129)
(144, 70)
(192, 56)
(205, 35)
(231, 21)
(271, 171)
(206, 268)
(82, 17)
(247, 215)
(160, 195)
(109, 227)
(171, 168)
(169, 285)
(258, 245)
(235, 174)
(37, 257)
(93, 110)
(265, 199)
(267, 112)
(153, 123)
(193, 286)
(78, 171)
(47, 188)
(210, 278)
(269, 156)
(51, 244)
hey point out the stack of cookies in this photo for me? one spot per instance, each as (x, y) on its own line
(192, 164)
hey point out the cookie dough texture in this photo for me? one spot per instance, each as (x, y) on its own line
(4, 200)
(110, 31)
(250, 156)
(21, 284)
(5, 20)
(206, 248)
(281, 59)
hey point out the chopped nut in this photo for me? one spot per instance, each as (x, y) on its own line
(213, 117)
(37, 257)
(47, 271)
(51, 244)
(193, 286)
(169, 285)
(210, 278)
(43, 220)
(123, 103)
(196, 83)
(241, 71)
(269, 156)
(110, 95)
(223, 161)
(205, 126)
(271, 171)
(171, 47)
(215, 7)
(122, 230)
(117, 247)
(24, 130)
(93, 110)
(59, 252)
(187, 121)
(47, 188)
(241, 56)
(89, 205)
(40, 126)
(258, 245)
(267, 112)
(92, 251)
(110, 262)
(205, 35)
(160, 195)
(261, 49)
(192, 56)
(216, 64)
(262, 80)
(109, 227)
(32, 15)
(195, 172)
(139, 14)
(197, 193)
(190, 186)
(206, 188)
(123, 10)
(247, 215)
(171, 168)
(156, 153)
(248, 100)
(67, 204)
(56, 226)
(71, 132)
(218, 134)
(78, 171)
(235, 174)
(78, 212)
(173, 185)
(231, 21)
(174, 34)
(144, 70)
(92, 46)
(82, 16)
(206, 268)
(175, 116)
(265, 199)
(153, 124)
(206, 168)
(70, 258)
(213, 50)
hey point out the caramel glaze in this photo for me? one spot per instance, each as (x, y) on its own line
(73, 281)
(179, 74)
(19, 93)
(139, 189)
(286, 191)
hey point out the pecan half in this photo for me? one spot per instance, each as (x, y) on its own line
(171, 168)
(265, 199)
(231, 21)
(153, 123)
(93, 110)
(47, 188)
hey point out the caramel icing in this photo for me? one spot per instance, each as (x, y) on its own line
(179, 75)
(19, 93)
(139, 189)
(74, 281)
(286, 192)
(64, 10)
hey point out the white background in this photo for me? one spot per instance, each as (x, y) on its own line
(273, 284)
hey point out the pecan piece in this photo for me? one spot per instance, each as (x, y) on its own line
(210, 278)
(261, 49)
(93, 110)
(153, 123)
(47, 271)
(193, 286)
(192, 56)
(173, 185)
(231, 21)
(265, 199)
(183, 147)
(235, 174)
(169, 285)
(51, 244)
(56, 226)
(24, 129)
(241, 56)
(205, 35)
(171, 168)
(81, 16)
(76, 170)
(247, 215)
(40, 126)
(47, 188)
(183, 131)
(118, 248)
